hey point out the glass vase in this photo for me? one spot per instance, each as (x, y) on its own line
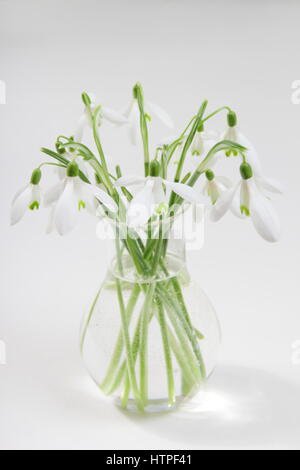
(151, 337)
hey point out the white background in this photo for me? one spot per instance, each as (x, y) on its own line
(242, 54)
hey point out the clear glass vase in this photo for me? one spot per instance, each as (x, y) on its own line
(151, 337)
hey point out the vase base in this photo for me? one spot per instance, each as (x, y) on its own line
(154, 406)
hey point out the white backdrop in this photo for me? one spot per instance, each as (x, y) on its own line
(242, 54)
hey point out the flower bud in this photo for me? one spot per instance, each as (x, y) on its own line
(72, 170)
(137, 91)
(231, 119)
(210, 175)
(86, 99)
(154, 168)
(246, 171)
(36, 176)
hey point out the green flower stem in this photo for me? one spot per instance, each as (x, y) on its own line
(135, 349)
(190, 332)
(129, 358)
(167, 352)
(144, 343)
(223, 108)
(179, 353)
(178, 292)
(85, 328)
(119, 345)
(183, 339)
(189, 378)
(97, 138)
(158, 249)
(189, 141)
(125, 391)
(194, 341)
(138, 92)
(119, 252)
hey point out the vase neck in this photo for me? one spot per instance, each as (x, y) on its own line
(126, 267)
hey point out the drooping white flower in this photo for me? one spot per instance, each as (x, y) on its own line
(105, 114)
(27, 198)
(201, 145)
(151, 196)
(70, 195)
(132, 114)
(253, 203)
(234, 134)
(215, 186)
(203, 141)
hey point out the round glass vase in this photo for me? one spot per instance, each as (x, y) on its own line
(151, 337)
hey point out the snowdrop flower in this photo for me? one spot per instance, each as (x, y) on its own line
(215, 186)
(71, 195)
(28, 198)
(201, 145)
(105, 114)
(150, 198)
(132, 114)
(203, 141)
(234, 134)
(253, 203)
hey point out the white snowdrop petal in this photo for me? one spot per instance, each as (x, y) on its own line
(113, 116)
(66, 211)
(236, 206)
(20, 204)
(20, 192)
(197, 144)
(245, 194)
(141, 207)
(264, 217)
(214, 191)
(53, 194)
(223, 204)
(36, 194)
(161, 114)
(231, 134)
(158, 193)
(186, 192)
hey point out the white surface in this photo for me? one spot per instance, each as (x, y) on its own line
(243, 54)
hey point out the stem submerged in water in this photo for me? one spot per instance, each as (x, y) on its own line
(129, 356)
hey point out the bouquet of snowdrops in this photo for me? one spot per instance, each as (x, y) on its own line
(143, 204)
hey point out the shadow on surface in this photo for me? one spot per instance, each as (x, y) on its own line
(239, 407)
